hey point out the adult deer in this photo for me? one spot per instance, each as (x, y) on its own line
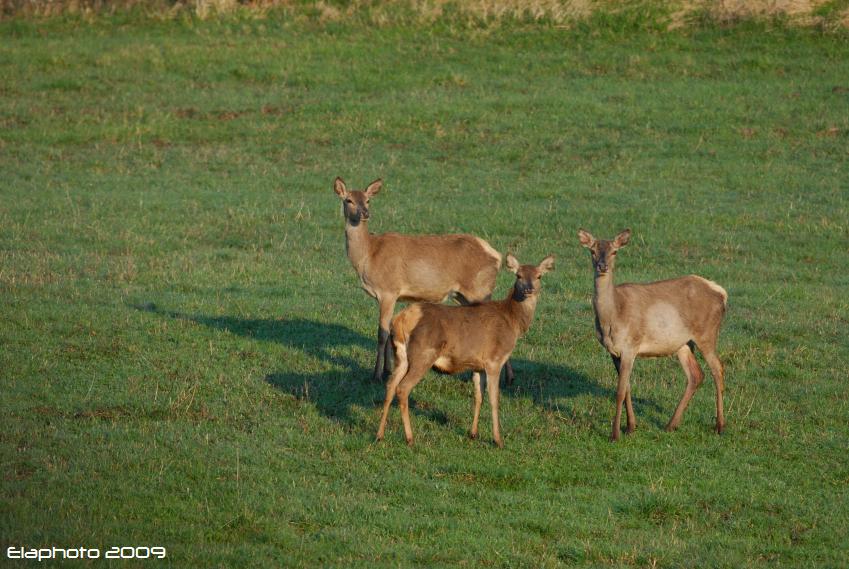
(655, 319)
(429, 268)
(452, 339)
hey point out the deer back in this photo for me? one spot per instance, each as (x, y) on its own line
(429, 267)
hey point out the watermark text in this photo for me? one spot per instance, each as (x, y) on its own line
(51, 553)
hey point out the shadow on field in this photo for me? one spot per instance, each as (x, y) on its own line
(336, 392)
(554, 387)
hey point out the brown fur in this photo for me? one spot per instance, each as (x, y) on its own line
(655, 319)
(453, 339)
(428, 268)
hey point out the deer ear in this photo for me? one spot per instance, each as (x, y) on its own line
(339, 187)
(512, 264)
(623, 238)
(546, 265)
(374, 187)
(585, 238)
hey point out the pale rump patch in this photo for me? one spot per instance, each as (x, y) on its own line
(489, 250)
(405, 322)
(716, 288)
(400, 355)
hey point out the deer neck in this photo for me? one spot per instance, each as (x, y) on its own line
(604, 299)
(357, 241)
(521, 312)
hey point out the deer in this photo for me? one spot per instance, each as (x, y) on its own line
(452, 339)
(655, 319)
(413, 268)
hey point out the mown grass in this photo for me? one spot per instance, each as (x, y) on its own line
(185, 348)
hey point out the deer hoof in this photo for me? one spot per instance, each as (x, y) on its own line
(630, 429)
(473, 436)
(720, 428)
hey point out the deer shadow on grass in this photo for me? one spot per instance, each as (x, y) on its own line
(344, 386)
(556, 388)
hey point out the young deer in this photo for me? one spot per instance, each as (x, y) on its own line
(427, 268)
(453, 339)
(655, 319)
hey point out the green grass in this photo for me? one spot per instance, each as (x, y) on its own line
(184, 347)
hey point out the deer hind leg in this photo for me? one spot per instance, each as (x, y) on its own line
(695, 376)
(387, 308)
(718, 372)
(626, 364)
(478, 394)
(392, 386)
(630, 418)
(415, 372)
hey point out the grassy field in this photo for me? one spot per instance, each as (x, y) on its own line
(184, 347)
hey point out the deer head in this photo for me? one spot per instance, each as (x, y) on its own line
(355, 203)
(603, 252)
(528, 276)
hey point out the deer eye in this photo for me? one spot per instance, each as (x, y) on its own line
(349, 201)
